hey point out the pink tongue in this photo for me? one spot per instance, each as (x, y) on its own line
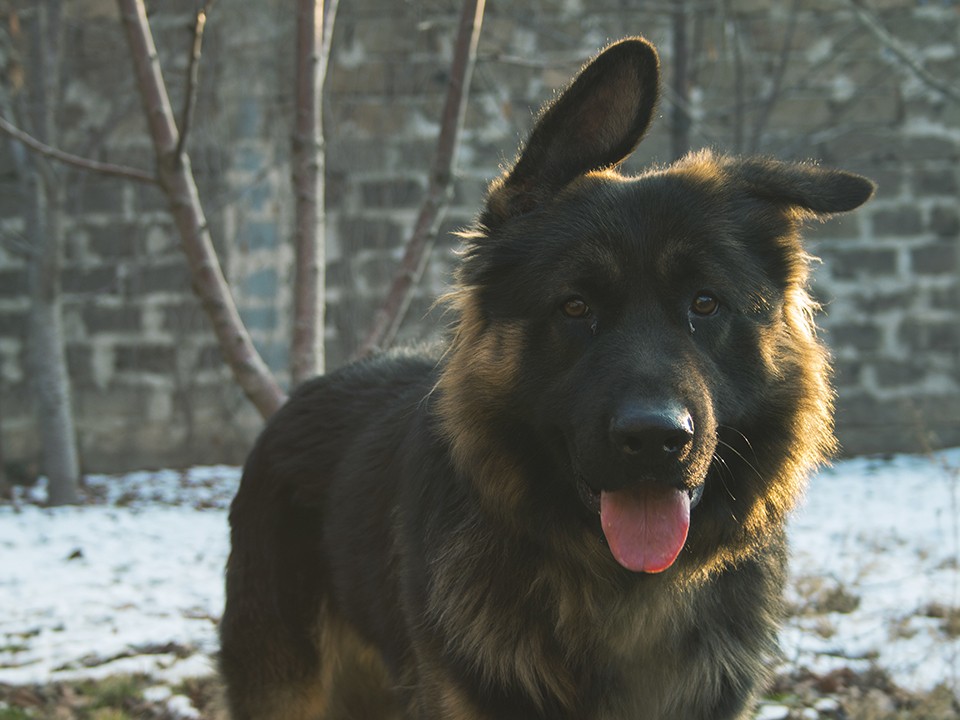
(645, 527)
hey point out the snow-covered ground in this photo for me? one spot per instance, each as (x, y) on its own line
(135, 583)
(132, 585)
(879, 540)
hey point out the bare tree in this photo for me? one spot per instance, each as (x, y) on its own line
(314, 32)
(388, 318)
(175, 177)
(42, 194)
(870, 21)
(6, 491)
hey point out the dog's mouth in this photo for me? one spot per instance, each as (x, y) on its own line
(591, 497)
(644, 525)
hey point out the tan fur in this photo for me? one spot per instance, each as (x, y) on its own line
(352, 682)
(486, 360)
(442, 695)
(354, 678)
(474, 609)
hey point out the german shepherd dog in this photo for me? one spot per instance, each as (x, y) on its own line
(574, 510)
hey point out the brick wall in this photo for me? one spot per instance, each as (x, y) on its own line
(795, 80)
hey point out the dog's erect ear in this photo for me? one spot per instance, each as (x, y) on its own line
(595, 123)
(810, 188)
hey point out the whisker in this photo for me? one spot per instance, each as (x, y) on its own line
(724, 469)
(742, 457)
(745, 439)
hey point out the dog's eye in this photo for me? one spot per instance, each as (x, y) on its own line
(704, 304)
(576, 307)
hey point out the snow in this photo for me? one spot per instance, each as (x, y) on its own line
(98, 590)
(889, 533)
(135, 583)
(772, 712)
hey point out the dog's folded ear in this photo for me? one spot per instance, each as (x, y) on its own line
(595, 123)
(809, 188)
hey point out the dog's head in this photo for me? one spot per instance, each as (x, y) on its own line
(639, 352)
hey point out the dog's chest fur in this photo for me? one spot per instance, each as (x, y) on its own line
(572, 642)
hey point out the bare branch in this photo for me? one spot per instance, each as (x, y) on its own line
(66, 158)
(766, 108)
(388, 318)
(17, 244)
(870, 21)
(193, 76)
(176, 180)
(329, 16)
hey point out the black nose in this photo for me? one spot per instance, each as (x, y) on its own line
(652, 434)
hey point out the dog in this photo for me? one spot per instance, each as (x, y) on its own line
(574, 509)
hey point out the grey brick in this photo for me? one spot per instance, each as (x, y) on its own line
(878, 302)
(13, 283)
(13, 324)
(892, 373)
(847, 373)
(405, 192)
(169, 277)
(935, 259)
(853, 265)
(904, 221)
(935, 182)
(209, 358)
(945, 221)
(185, 318)
(357, 233)
(98, 319)
(258, 235)
(932, 148)
(259, 318)
(97, 280)
(926, 336)
(859, 336)
(148, 358)
(113, 241)
(100, 195)
(148, 198)
(262, 283)
(11, 197)
(946, 299)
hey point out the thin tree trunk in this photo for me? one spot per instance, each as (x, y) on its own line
(314, 27)
(48, 362)
(739, 97)
(389, 317)
(42, 197)
(6, 491)
(680, 117)
(176, 180)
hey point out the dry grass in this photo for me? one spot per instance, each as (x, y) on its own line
(840, 695)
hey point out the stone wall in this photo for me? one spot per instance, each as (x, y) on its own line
(792, 79)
